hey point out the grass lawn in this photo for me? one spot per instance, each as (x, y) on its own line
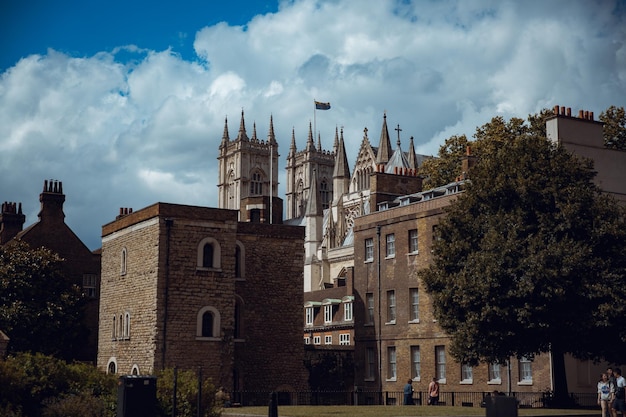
(391, 411)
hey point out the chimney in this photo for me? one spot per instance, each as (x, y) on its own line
(52, 199)
(11, 221)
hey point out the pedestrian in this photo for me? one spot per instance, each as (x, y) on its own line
(612, 382)
(433, 392)
(408, 392)
(605, 394)
(619, 404)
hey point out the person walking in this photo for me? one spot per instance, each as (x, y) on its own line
(408, 392)
(605, 395)
(612, 382)
(433, 392)
(619, 404)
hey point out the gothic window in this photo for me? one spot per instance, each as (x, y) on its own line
(299, 199)
(126, 326)
(240, 261)
(112, 366)
(325, 194)
(256, 184)
(123, 262)
(230, 191)
(209, 254)
(114, 332)
(135, 370)
(208, 323)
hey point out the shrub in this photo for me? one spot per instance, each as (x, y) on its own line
(186, 394)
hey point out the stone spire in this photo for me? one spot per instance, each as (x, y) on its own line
(225, 137)
(271, 137)
(412, 155)
(319, 142)
(336, 143)
(254, 138)
(313, 205)
(292, 147)
(384, 146)
(341, 171)
(242, 136)
(309, 142)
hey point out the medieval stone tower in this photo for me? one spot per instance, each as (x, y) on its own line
(248, 175)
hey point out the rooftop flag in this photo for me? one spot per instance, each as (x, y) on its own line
(322, 106)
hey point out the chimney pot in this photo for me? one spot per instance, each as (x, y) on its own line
(556, 110)
(569, 112)
(581, 114)
(590, 115)
(563, 110)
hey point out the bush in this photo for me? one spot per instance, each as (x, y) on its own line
(36, 385)
(186, 394)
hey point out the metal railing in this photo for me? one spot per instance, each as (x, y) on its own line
(392, 398)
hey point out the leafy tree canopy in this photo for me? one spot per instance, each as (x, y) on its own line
(40, 308)
(614, 131)
(532, 256)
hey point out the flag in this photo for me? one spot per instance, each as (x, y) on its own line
(322, 106)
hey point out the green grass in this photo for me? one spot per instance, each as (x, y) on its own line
(391, 411)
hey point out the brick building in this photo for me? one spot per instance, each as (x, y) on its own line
(51, 232)
(192, 287)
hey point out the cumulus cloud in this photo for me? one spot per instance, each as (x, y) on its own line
(131, 127)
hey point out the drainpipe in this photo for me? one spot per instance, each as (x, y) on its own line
(168, 228)
(379, 332)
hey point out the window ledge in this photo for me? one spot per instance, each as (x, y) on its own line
(414, 321)
(368, 261)
(467, 382)
(417, 379)
(204, 268)
(530, 382)
(391, 379)
(390, 257)
(208, 339)
(390, 322)
(413, 253)
(494, 382)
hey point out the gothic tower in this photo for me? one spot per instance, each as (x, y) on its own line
(300, 167)
(248, 175)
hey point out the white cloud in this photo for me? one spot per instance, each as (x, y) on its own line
(133, 126)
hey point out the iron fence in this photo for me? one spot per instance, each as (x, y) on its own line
(362, 397)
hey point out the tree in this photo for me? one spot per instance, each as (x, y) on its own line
(40, 309)
(614, 131)
(447, 166)
(531, 257)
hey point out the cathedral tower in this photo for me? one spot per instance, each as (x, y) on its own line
(248, 175)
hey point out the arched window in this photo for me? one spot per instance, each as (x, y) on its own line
(299, 199)
(324, 194)
(114, 332)
(256, 184)
(120, 329)
(127, 325)
(209, 254)
(112, 366)
(135, 370)
(238, 330)
(231, 191)
(208, 323)
(123, 262)
(240, 260)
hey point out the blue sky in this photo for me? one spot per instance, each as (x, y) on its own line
(125, 102)
(85, 27)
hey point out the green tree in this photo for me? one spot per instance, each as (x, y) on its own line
(614, 131)
(40, 308)
(531, 257)
(186, 394)
(447, 166)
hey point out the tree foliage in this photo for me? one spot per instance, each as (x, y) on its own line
(614, 131)
(40, 309)
(532, 255)
(447, 166)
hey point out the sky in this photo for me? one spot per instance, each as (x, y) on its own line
(125, 101)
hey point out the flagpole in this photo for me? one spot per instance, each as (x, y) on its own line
(314, 120)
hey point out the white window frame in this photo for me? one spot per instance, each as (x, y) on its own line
(390, 246)
(392, 366)
(347, 311)
(525, 371)
(369, 299)
(494, 374)
(416, 363)
(440, 362)
(344, 339)
(216, 324)
(217, 254)
(328, 339)
(328, 313)
(413, 241)
(126, 327)
(317, 340)
(309, 315)
(307, 340)
(369, 250)
(391, 307)
(414, 302)
(467, 374)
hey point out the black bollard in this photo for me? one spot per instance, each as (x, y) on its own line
(273, 408)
